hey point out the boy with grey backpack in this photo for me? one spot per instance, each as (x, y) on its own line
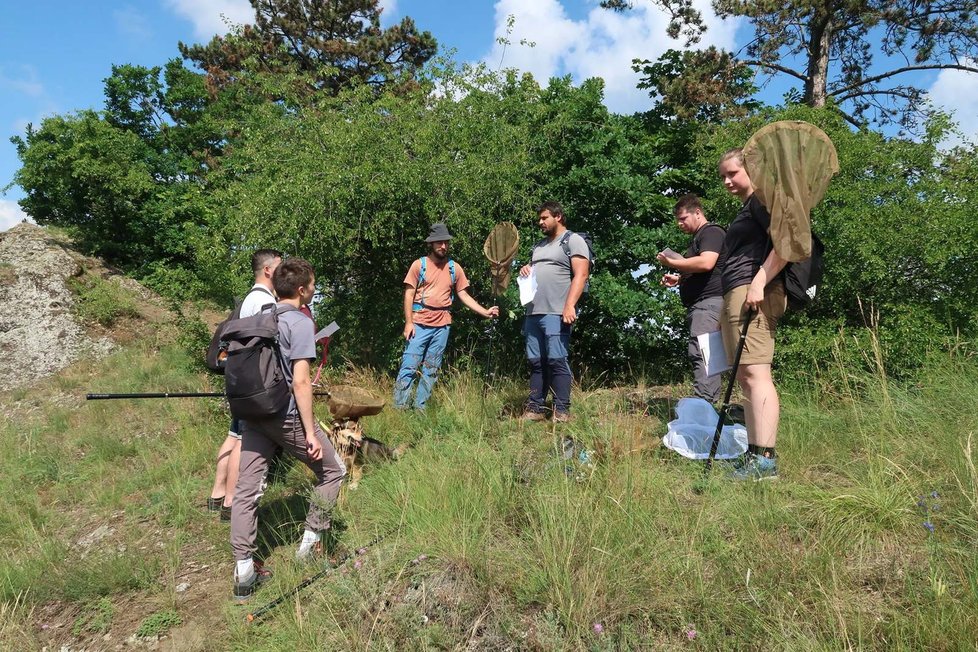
(269, 386)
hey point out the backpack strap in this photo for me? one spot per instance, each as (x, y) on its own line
(564, 244)
(419, 303)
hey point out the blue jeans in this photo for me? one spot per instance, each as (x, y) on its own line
(424, 350)
(547, 341)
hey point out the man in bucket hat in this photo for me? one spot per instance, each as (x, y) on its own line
(430, 287)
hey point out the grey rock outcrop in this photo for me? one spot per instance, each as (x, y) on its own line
(39, 334)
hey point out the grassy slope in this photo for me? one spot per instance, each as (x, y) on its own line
(495, 546)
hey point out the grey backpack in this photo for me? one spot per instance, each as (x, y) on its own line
(254, 371)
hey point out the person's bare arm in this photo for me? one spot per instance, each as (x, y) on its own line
(475, 306)
(769, 271)
(704, 262)
(408, 312)
(580, 269)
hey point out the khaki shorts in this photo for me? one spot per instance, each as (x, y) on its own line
(759, 346)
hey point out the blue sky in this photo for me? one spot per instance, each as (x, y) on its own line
(54, 55)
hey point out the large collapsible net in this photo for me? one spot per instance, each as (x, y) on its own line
(790, 164)
(500, 249)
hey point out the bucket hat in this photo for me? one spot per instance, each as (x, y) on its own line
(439, 233)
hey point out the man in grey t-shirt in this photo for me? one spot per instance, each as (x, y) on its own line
(561, 263)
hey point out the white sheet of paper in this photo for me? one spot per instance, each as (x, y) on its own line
(714, 355)
(327, 331)
(528, 287)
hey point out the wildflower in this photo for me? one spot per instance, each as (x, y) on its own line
(598, 628)
(934, 494)
(690, 633)
(361, 551)
(422, 557)
(929, 526)
(358, 564)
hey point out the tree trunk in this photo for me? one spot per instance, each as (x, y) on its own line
(816, 84)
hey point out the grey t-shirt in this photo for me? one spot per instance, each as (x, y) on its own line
(296, 340)
(553, 270)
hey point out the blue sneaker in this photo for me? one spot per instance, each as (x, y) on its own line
(756, 468)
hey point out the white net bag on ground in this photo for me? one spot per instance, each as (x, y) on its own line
(691, 432)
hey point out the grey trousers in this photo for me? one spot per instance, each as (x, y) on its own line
(258, 442)
(703, 317)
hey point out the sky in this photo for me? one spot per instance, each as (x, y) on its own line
(55, 54)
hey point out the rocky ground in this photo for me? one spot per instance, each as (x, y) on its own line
(40, 332)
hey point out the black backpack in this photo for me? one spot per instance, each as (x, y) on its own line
(216, 353)
(254, 371)
(801, 279)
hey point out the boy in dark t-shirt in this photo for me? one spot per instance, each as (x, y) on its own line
(296, 431)
(699, 286)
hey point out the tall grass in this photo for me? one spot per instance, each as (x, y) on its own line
(868, 541)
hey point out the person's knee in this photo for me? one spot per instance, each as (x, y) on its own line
(559, 366)
(753, 377)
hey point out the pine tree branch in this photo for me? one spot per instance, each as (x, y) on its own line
(899, 71)
(777, 67)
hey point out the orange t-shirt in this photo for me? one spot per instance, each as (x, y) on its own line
(435, 291)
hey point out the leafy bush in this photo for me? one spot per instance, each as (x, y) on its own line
(102, 301)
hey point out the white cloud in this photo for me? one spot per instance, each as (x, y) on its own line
(21, 79)
(10, 214)
(956, 91)
(602, 44)
(133, 24)
(211, 17)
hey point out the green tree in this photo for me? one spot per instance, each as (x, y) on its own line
(832, 48)
(320, 46)
(122, 180)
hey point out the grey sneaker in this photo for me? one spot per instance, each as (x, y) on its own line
(244, 588)
(756, 468)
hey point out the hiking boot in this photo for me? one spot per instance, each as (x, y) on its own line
(225, 513)
(215, 504)
(245, 588)
(530, 415)
(562, 417)
(756, 468)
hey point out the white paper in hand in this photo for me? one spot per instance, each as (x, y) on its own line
(327, 331)
(528, 287)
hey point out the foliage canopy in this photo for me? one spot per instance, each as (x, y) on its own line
(179, 179)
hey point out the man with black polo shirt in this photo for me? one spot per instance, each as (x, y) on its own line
(698, 279)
